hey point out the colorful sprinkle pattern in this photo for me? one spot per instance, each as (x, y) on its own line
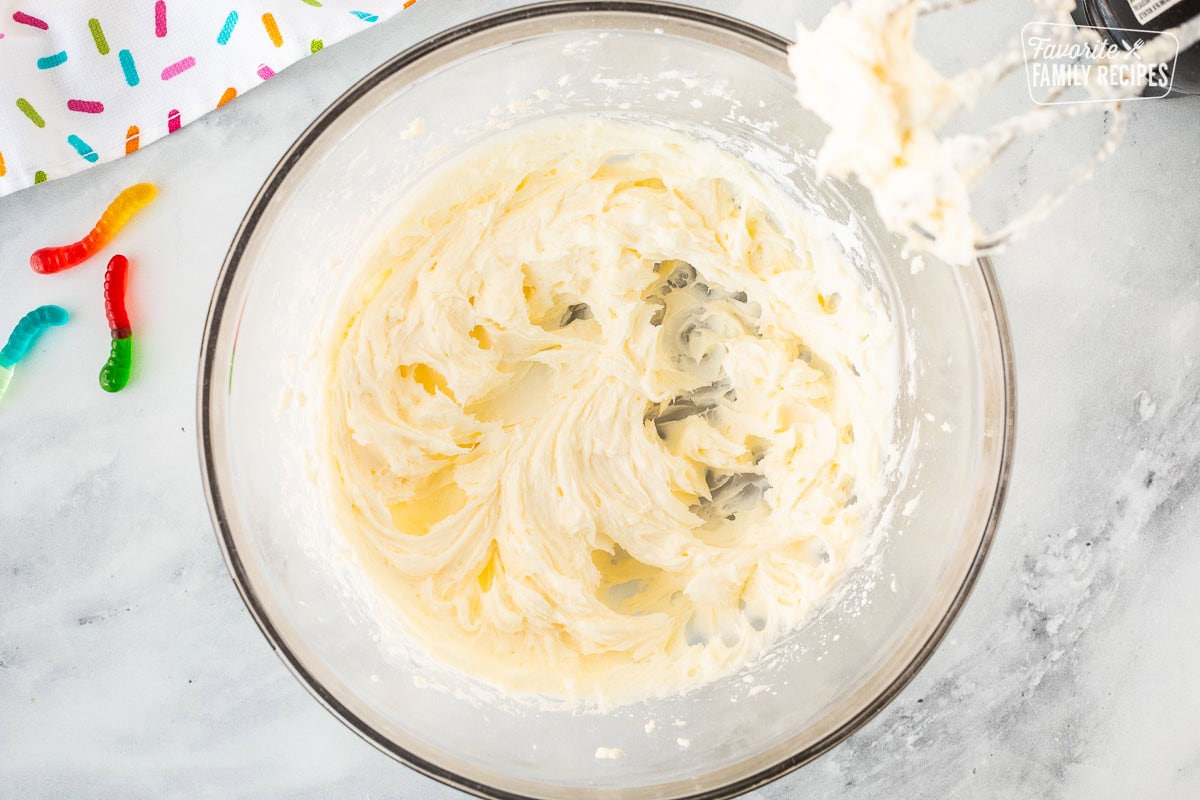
(29, 111)
(160, 19)
(129, 68)
(83, 148)
(98, 36)
(227, 28)
(81, 107)
(178, 68)
(50, 62)
(31, 21)
(272, 28)
(86, 106)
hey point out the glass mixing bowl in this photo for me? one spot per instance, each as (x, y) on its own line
(718, 79)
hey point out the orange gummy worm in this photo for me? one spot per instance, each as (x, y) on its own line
(119, 212)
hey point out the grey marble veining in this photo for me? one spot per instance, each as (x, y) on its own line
(128, 666)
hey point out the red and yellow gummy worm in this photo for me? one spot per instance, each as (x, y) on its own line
(129, 202)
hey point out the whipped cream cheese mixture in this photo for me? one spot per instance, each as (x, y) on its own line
(605, 415)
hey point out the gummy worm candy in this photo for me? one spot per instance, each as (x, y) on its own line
(115, 373)
(119, 212)
(23, 336)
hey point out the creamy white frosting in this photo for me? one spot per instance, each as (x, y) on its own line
(604, 414)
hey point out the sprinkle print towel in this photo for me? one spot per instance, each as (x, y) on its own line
(87, 81)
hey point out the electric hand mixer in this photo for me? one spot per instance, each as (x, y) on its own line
(887, 106)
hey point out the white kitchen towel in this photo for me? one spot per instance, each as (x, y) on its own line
(88, 81)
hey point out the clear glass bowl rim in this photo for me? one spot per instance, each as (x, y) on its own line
(208, 383)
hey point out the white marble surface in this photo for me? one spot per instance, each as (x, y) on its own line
(129, 668)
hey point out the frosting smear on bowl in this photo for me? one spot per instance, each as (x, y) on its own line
(605, 414)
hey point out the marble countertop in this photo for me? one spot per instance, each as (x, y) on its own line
(129, 667)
